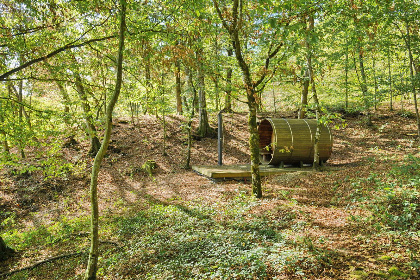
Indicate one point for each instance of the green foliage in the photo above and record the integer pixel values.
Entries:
(398, 208)
(56, 167)
(51, 164)
(149, 166)
(62, 231)
(395, 204)
(409, 170)
(174, 242)
(406, 114)
(352, 111)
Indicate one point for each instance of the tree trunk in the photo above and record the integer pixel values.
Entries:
(164, 134)
(11, 88)
(5, 144)
(249, 85)
(317, 163)
(254, 145)
(402, 91)
(307, 77)
(90, 126)
(390, 81)
(19, 95)
(346, 69)
(66, 101)
(189, 128)
(163, 102)
(191, 110)
(363, 86)
(204, 129)
(64, 94)
(189, 137)
(254, 141)
(363, 81)
(233, 25)
(375, 83)
(22, 111)
(92, 266)
(6, 149)
(309, 48)
(191, 88)
(274, 97)
(148, 78)
(178, 87)
(216, 78)
(412, 77)
(304, 96)
(228, 96)
(189, 143)
(216, 93)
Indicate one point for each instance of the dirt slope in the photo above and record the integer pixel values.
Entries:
(320, 198)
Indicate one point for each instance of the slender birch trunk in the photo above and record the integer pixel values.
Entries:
(92, 266)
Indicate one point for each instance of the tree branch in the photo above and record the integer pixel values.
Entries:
(216, 6)
(267, 64)
(42, 262)
(26, 105)
(51, 54)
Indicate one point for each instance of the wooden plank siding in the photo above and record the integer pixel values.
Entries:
(291, 141)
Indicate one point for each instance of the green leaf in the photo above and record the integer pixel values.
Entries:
(272, 22)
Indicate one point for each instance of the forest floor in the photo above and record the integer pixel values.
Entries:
(356, 219)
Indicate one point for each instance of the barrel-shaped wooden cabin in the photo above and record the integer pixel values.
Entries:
(291, 141)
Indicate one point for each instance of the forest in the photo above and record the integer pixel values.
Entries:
(107, 106)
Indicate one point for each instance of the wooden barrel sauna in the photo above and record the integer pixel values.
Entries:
(291, 141)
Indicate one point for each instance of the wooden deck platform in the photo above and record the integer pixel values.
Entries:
(243, 170)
